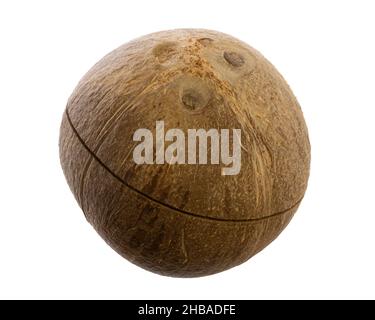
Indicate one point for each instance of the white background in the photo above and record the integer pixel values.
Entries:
(325, 50)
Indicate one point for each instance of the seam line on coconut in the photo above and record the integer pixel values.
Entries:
(102, 164)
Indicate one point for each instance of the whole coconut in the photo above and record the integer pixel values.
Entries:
(185, 220)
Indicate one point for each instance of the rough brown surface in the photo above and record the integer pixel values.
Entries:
(185, 220)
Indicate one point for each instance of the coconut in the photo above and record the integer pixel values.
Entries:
(173, 217)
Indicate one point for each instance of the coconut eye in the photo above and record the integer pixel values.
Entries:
(205, 41)
(165, 50)
(194, 93)
(194, 100)
(234, 58)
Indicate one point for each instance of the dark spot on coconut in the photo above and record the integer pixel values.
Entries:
(137, 238)
(185, 198)
(148, 215)
(151, 185)
(164, 51)
(205, 41)
(234, 59)
(156, 241)
(192, 100)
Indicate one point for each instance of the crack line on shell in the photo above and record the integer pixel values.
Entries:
(160, 202)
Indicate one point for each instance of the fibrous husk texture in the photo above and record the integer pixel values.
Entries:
(185, 220)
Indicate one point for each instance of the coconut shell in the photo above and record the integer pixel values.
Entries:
(185, 220)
